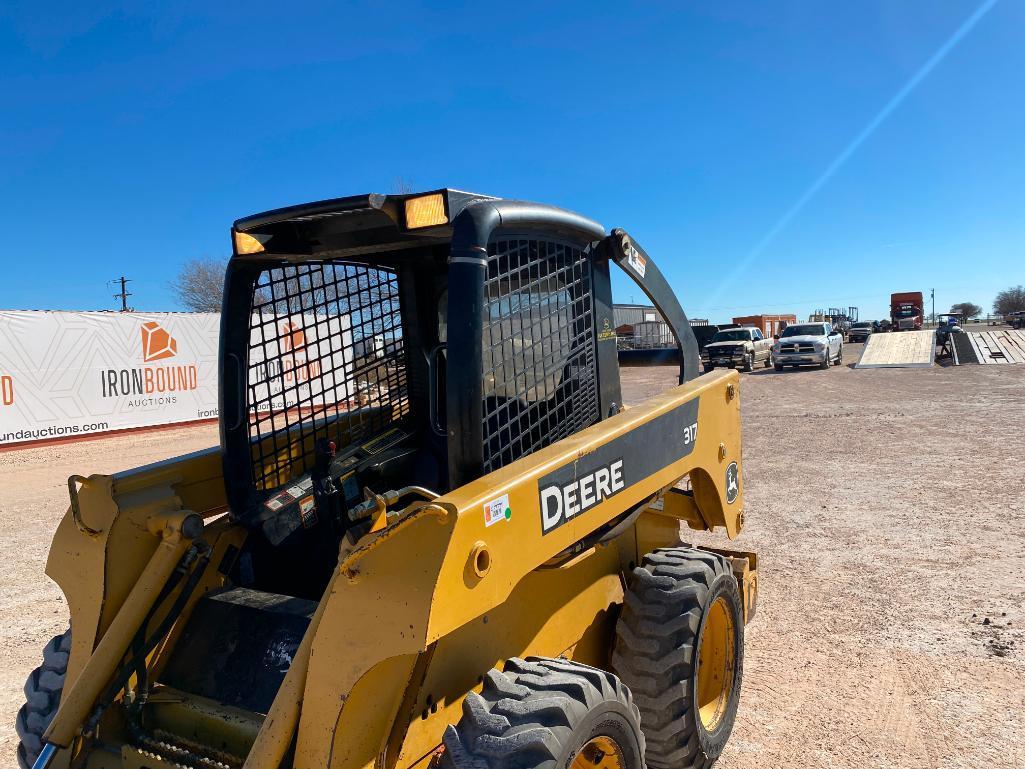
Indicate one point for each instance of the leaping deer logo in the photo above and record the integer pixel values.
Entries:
(732, 483)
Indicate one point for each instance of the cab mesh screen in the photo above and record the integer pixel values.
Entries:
(538, 348)
(326, 361)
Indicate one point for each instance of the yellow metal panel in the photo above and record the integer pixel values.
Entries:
(655, 531)
(422, 585)
(368, 712)
(97, 572)
(565, 611)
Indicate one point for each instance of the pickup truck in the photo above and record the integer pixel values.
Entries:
(860, 332)
(737, 347)
(805, 343)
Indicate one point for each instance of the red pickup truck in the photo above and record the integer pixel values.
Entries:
(906, 310)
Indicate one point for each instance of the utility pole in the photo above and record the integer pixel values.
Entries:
(932, 295)
(123, 296)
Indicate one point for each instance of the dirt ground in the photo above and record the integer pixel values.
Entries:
(887, 508)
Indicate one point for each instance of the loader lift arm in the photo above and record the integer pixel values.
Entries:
(463, 568)
(636, 263)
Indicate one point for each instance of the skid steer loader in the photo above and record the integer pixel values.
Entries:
(432, 535)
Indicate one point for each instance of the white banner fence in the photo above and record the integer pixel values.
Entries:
(65, 374)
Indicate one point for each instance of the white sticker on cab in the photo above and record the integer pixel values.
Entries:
(497, 510)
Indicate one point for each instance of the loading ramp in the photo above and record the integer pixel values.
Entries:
(899, 349)
(988, 347)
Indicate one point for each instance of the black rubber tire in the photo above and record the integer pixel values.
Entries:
(749, 362)
(839, 356)
(42, 696)
(827, 361)
(539, 713)
(657, 638)
(709, 369)
(767, 362)
(777, 366)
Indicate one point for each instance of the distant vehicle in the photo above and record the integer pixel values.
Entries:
(704, 335)
(805, 343)
(906, 310)
(945, 324)
(877, 326)
(1016, 320)
(860, 332)
(737, 347)
(633, 354)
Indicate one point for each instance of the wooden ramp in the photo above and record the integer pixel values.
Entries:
(899, 349)
(989, 347)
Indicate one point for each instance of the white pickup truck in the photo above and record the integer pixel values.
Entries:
(737, 347)
(805, 343)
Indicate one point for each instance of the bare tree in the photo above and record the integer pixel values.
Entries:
(402, 186)
(200, 284)
(1010, 300)
(966, 309)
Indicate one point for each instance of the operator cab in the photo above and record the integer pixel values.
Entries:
(379, 351)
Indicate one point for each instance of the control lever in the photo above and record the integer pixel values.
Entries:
(325, 493)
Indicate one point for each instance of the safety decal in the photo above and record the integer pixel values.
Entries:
(497, 510)
(635, 260)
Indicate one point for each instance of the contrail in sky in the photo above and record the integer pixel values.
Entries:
(853, 147)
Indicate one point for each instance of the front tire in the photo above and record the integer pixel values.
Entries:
(839, 356)
(680, 649)
(43, 691)
(547, 714)
(749, 362)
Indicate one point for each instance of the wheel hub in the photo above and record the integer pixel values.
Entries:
(602, 752)
(716, 663)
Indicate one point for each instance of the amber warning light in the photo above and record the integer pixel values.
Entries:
(247, 244)
(426, 211)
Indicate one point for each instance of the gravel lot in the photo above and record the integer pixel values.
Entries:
(886, 507)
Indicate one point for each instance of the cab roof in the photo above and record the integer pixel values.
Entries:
(371, 222)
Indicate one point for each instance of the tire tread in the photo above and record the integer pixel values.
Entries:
(524, 714)
(43, 689)
(655, 646)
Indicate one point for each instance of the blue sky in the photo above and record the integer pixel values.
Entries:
(772, 157)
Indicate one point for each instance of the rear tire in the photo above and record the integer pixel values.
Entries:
(680, 649)
(547, 714)
(42, 696)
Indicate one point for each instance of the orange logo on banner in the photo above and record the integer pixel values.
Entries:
(6, 390)
(157, 344)
(293, 336)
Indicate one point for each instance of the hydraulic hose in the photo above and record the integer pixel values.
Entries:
(138, 659)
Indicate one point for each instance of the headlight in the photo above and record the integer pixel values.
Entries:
(820, 346)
